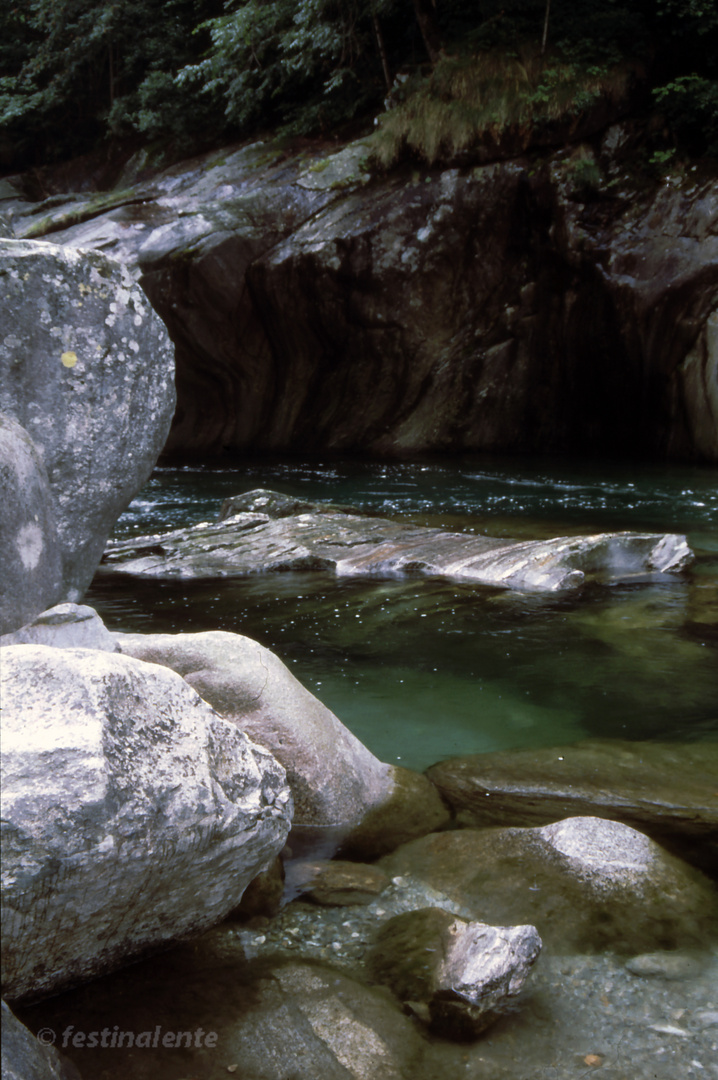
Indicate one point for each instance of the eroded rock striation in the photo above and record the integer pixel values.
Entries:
(493, 307)
(133, 814)
(87, 370)
(263, 531)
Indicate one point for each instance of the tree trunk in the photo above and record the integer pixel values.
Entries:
(382, 49)
(545, 27)
(429, 29)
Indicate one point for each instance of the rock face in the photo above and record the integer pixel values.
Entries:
(87, 369)
(585, 883)
(487, 308)
(341, 791)
(30, 558)
(465, 973)
(25, 1058)
(268, 532)
(665, 790)
(132, 814)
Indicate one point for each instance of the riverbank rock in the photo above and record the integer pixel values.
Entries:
(586, 884)
(25, 1058)
(667, 790)
(344, 797)
(65, 626)
(133, 814)
(485, 308)
(464, 973)
(268, 532)
(87, 369)
(30, 559)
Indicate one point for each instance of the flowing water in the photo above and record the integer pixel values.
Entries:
(421, 669)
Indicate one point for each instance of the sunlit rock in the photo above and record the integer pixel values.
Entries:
(133, 815)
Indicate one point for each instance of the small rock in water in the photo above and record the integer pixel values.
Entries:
(665, 965)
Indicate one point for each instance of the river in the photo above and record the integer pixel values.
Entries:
(422, 670)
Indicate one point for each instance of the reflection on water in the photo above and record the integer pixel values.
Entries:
(423, 670)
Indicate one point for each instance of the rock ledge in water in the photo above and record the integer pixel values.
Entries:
(270, 532)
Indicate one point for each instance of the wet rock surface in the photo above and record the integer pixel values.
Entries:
(463, 973)
(667, 790)
(133, 814)
(585, 883)
(87, 369)
(276, 534)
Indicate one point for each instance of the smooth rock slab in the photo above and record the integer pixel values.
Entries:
(466, 973)
(268, 532)
(668, 790)
(585, 883)
(343, 795)
(87, 369)
(133, 814)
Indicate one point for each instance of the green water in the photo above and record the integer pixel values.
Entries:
(421, 670)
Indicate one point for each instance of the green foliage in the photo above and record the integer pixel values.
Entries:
(690, 104)
(302, 64)
(73, 72)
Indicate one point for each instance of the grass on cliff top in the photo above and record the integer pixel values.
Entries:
(468, 99)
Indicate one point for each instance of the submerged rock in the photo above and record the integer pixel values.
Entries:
(336, 882)
(272, 534)
(585, 883)
(465, 973)
(87, 369)
(667, 790)
(343, 795)
(30, 556)
(133, 814)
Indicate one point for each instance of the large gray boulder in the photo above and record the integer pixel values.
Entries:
(30, 556)
(133, 815)
(343, 795)
(587, 884)
(87, 369)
